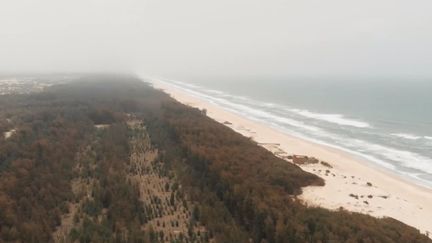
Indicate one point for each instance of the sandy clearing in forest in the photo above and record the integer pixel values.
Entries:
(9, 133)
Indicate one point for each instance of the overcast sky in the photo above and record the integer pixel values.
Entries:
(185, 38)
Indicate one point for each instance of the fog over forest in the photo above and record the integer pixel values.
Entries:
(181, 39)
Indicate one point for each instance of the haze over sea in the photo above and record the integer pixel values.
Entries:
(387, 122)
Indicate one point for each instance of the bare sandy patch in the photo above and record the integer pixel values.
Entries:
(9, 133)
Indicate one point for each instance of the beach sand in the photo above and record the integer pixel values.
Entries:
(352, 183)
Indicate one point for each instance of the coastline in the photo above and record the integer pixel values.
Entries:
(352, 183)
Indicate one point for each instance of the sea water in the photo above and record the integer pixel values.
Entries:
(388, 122)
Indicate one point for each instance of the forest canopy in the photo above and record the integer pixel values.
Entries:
(108, 158)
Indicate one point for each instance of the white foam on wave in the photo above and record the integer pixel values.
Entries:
(404, 158)
(216, 92)
(262, 116)
(251, 113)
(181, 83)
(406, 136)
(427, 137)
(332, 118)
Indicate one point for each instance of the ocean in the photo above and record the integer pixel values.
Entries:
(387, 122)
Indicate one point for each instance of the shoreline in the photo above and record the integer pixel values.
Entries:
(353, 183)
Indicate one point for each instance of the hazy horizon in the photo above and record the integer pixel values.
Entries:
(201, 39)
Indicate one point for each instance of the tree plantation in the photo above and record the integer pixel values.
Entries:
(107, 158)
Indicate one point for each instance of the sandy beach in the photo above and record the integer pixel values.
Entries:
(352, 183)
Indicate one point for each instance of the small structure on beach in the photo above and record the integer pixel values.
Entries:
(299, 159)
(303, 159)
